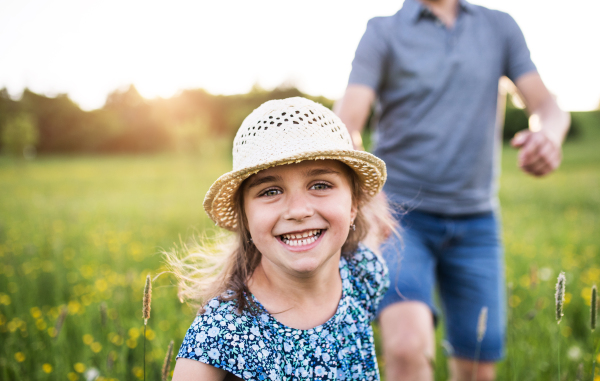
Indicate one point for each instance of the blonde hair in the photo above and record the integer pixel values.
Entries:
(222, 266)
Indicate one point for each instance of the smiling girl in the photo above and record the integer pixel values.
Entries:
(295, 291)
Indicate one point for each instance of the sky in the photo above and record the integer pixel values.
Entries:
(89, 48)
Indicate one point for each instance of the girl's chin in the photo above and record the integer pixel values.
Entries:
(308, 266)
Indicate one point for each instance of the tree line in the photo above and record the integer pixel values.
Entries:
(128, 123)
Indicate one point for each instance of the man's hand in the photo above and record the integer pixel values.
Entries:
(540, 147)
(538, 153)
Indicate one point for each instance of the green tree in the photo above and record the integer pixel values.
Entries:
(19, 135)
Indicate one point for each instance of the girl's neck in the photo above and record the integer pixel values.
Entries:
(300, 302)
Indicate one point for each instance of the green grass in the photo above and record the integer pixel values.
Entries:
(80, 234)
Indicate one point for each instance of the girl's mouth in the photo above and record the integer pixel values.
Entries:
(302, 238)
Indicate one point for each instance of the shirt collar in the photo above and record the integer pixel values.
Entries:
(416, 10)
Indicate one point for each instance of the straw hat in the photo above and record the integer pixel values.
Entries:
(282, 132)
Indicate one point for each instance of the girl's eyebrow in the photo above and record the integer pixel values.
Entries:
(320, 171)
(265, 179)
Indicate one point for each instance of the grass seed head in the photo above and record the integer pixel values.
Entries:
(103, 313)
(167, 364)
(147, 299)
(594, 308)
(60, 321)
(560, 296)
(482, 323)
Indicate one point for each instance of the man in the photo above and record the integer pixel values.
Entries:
(434, 68)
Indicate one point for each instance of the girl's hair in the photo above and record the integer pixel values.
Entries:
(221, 267)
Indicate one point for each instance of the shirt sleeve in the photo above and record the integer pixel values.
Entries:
(209, 340)
(372, 281)
(518, 58)
(368, 66)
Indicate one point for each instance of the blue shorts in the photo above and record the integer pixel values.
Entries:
(463, 256)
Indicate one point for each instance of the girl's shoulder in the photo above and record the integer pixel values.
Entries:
(220, 336)
(364, 278)
(363, 261)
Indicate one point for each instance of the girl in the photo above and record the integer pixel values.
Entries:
(296, 293)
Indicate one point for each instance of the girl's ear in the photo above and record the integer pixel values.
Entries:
(353, 211)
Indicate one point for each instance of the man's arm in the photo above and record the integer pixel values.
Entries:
(353, 109)
(540, 146)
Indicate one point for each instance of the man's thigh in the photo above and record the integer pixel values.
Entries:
(471, 277)
(411, 262)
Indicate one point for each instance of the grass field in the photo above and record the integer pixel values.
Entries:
(78, 235)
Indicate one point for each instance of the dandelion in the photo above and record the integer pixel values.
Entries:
(167, 364)
(20, 356)
(574, 353)
(91, 374)
(560, 296)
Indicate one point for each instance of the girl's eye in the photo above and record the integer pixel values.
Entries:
(320, 186)
(271, 192)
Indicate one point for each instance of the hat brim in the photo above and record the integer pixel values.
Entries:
(219, 201)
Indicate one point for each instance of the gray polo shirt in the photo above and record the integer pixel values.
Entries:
(438, 89)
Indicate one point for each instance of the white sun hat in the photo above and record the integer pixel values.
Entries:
(282, 132)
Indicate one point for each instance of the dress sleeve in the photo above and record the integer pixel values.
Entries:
(518, 59)
(368, 66)
(210, 339)
(371, 278)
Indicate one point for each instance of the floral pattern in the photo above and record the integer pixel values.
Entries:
(257, 347)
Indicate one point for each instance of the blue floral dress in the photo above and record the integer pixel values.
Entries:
(258, 347)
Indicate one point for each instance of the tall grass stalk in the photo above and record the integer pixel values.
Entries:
(146, 313)
(509, 334)
(560, 299)
(481, 328)
(167, 364)
(593, 316)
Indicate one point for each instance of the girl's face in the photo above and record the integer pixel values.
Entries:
(299, 215)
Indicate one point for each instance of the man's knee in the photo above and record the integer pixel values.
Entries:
(407, 348)
(408, 334)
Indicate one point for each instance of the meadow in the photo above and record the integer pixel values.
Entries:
(78, 235)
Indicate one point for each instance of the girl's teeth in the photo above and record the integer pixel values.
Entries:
(294, 239)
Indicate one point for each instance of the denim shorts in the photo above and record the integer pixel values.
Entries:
(463, 257)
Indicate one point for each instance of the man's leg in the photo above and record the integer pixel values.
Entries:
(408, 336)
(406, 312)
(461, 369)
(471, 277)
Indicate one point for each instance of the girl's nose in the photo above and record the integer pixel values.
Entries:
(298, 207)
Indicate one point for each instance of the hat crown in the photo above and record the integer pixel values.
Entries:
(287, 128)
